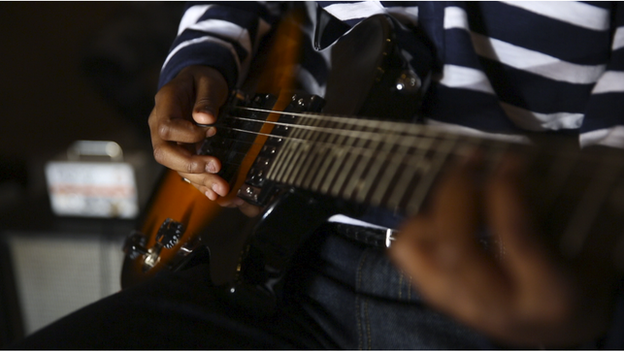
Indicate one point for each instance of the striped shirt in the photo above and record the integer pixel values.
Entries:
(500, 67)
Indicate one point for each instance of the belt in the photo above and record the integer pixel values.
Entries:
(371, 236)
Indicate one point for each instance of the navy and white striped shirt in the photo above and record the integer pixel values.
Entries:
(503, 67)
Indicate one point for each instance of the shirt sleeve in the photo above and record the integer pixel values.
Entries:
(223, 35)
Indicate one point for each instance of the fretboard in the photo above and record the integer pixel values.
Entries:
(379, 163)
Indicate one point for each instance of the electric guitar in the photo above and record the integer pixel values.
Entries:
(303, 158)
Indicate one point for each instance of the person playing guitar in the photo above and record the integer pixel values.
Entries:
(519, 72)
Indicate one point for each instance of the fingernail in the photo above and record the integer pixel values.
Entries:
(211, 131)
(203, 116)
(209, 194)
(211, 167)
(217, 188)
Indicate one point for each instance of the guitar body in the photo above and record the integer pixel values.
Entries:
(191, 212)
(365, 70)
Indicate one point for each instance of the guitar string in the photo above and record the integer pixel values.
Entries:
(378, 125)
(467, 144)
(418, 130)
(353, 151)
(468, 141)
(368, 135)
(412, 144)
(403, 127)
(400, 130)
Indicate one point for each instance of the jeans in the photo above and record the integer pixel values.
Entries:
(337, 294)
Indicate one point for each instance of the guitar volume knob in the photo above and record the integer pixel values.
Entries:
(169, 233)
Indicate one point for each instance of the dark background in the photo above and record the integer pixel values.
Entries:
(69, 71)
(75, 70)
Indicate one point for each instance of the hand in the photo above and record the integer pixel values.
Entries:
(525, 297)
(193, 97)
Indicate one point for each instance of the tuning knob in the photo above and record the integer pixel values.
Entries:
(169, 233)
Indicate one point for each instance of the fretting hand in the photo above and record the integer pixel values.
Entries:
(527, 297)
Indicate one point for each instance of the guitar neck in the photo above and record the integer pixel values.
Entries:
(394, 165)
(378, 163)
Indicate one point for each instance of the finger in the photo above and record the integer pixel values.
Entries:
(249, 210)
(170, 118)
(544, 287)
(548, 300)
(441, 252)
(180, 159)
(172, 101)
(211, 94)
(210, 184)
(246, 208)
(182, 131)
(510, 219)
(455, 215)
(215, 187)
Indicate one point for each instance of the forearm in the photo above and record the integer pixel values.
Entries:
(223, 36)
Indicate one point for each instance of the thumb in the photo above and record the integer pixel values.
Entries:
(211, 93)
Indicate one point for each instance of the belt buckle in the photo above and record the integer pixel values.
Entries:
(389, 237)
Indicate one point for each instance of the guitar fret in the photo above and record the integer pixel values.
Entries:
(309, 168)
(383, 187)
(279, 165)
(349, 164)
(345, 141)
(333, 154)
(387, 161)
(440, 157)
(275, 171)
(277, 168)
(313, 174)
(586, 211)
(299, 148)
(294, 146)
(420, 163)
(373, 166)
(354, 187)
(305, 146)
(315, 149)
